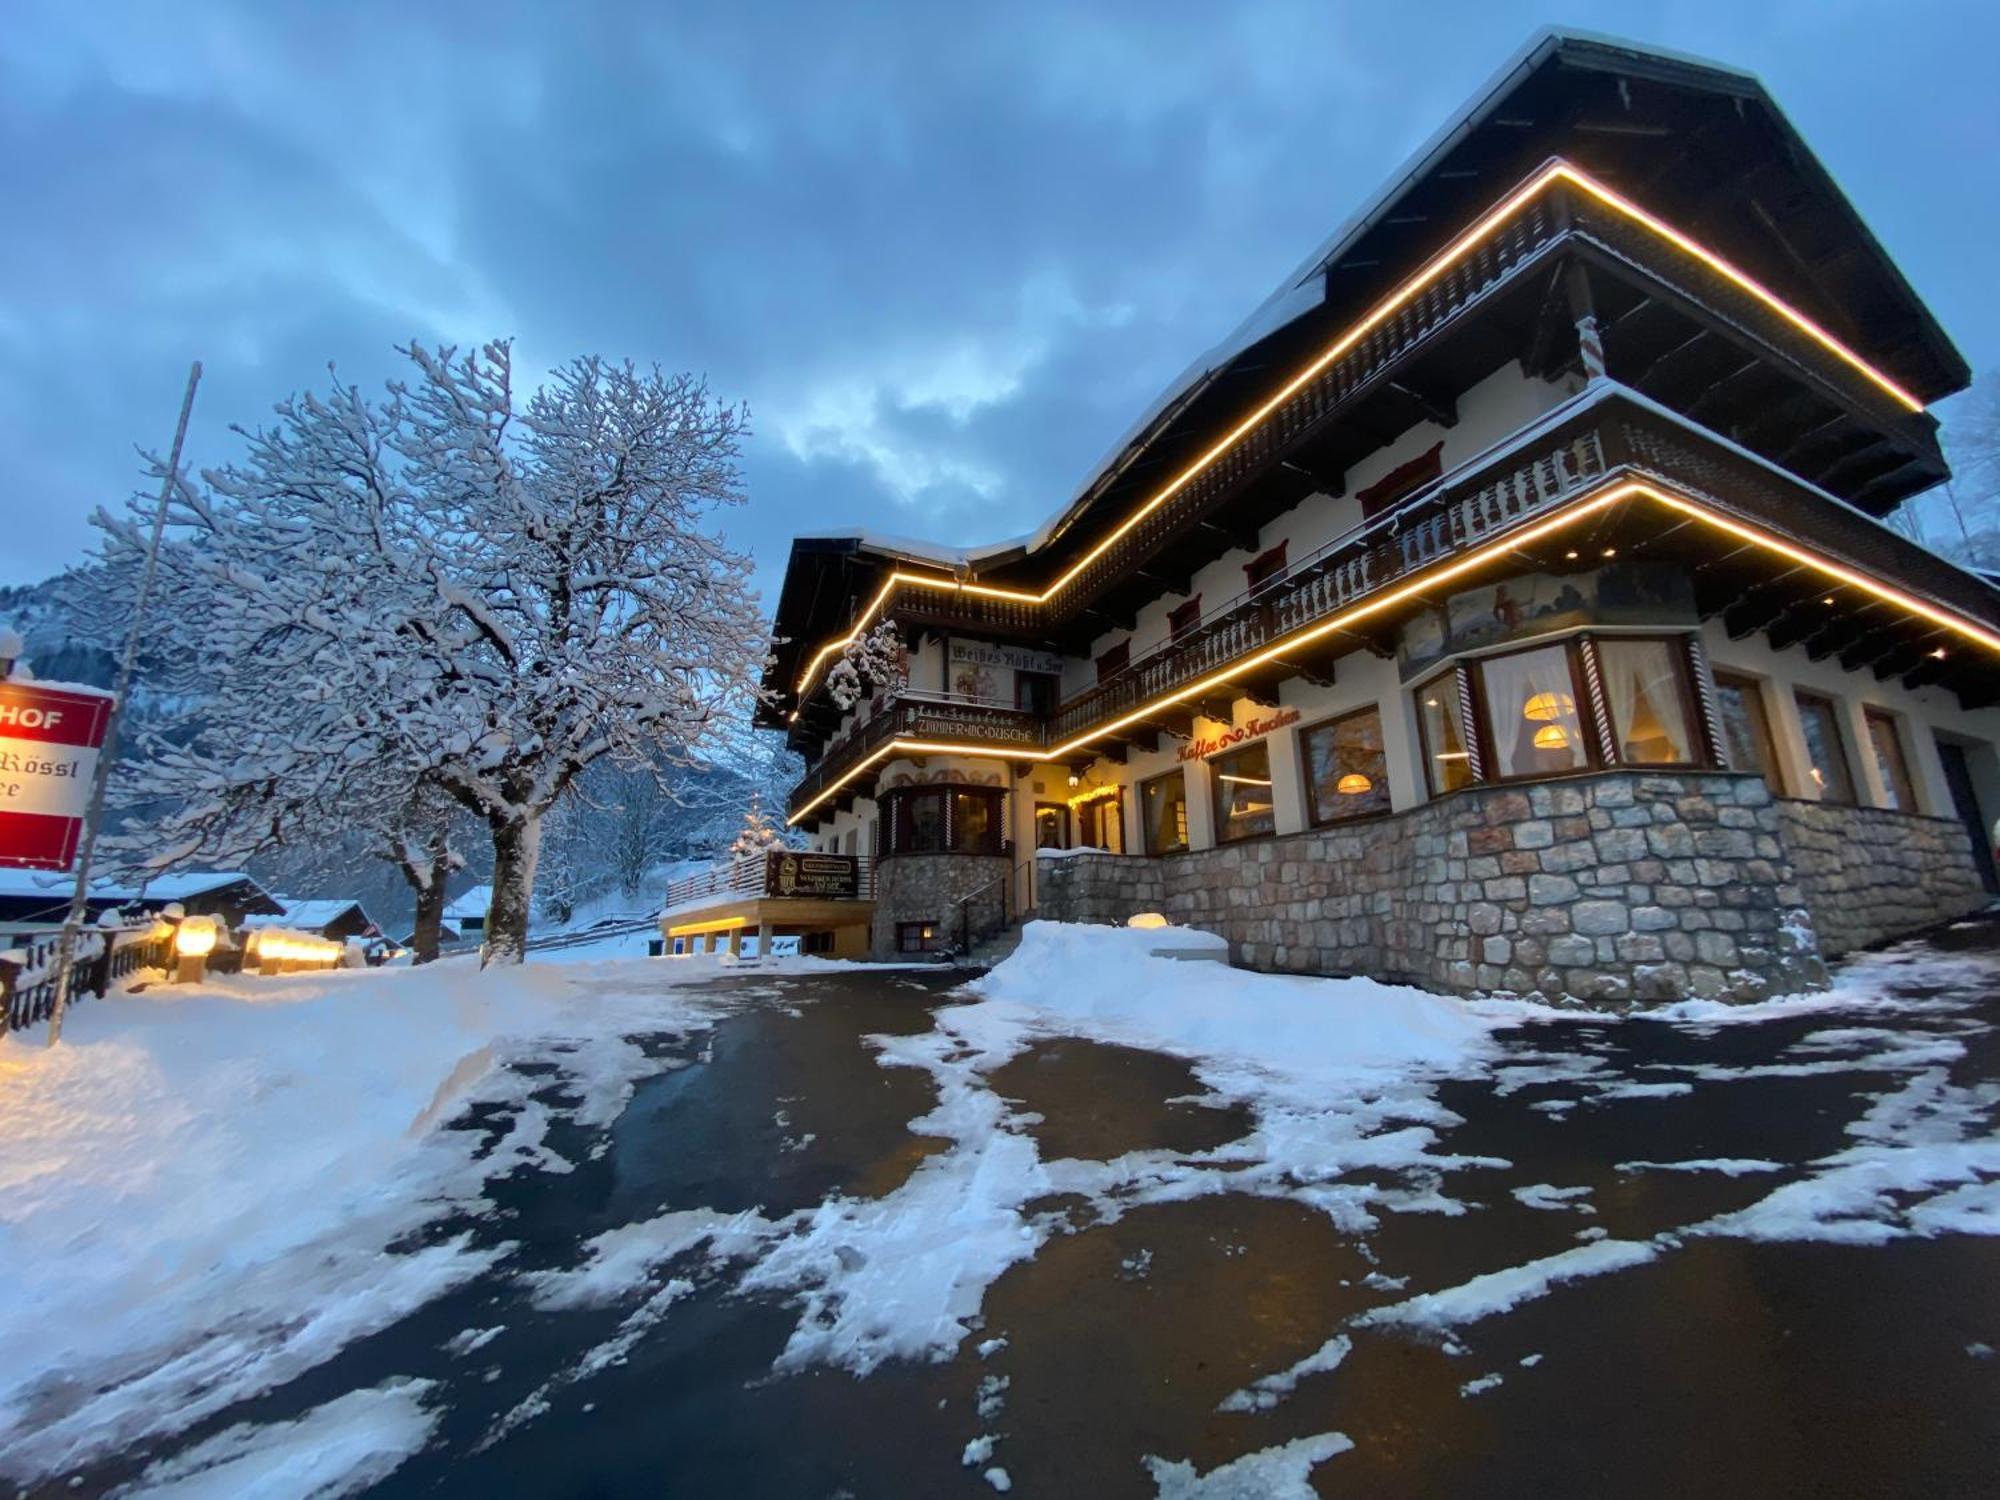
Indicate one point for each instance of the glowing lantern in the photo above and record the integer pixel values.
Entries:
(195, 937)
(1551, 737)
(1147, 921)
(1546, 706)
(1353, 784)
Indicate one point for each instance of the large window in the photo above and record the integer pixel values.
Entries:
(1532, 724)
(1101, 824)
(936, 820)
(1051, 825)
(1347, 775)
(1746, 728)
(1645, 681)
(1242, 781)
(1887, 743)
(1447, 763)
(1163, 806)
(1820, 721)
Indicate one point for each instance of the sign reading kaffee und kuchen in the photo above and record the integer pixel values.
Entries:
(1201, 749)
(49, 743)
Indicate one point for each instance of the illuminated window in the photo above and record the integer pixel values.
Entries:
(1819, 720)
(916, 937)
(1163, 805)
(1347, 775)
(1242, 781)
(1887, 743)
(1532, 724)
(1447, 765)
(1051, 826)
(1746, 728)
(1645, 683)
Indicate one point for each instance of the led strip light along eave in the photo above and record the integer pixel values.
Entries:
(1481, 230)
(1574, 511)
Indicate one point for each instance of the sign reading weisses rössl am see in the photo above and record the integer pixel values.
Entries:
(50, 738)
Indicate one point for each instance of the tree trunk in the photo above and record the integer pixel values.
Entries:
(428, 875)
(517, 842)
(430, 918)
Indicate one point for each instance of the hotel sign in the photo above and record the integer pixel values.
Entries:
(49, 743)
(1229, 739)
(1017, 658)
(792, 873)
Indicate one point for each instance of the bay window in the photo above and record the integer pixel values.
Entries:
(1536, 716)
(1645, 681)
(1532, 724)
(1440, 711)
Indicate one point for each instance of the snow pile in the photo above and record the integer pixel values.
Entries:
(1109, 983)
(337, 1449)
(201, 1183)
(1281, 1473)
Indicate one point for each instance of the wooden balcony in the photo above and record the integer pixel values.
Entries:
(1605, 437)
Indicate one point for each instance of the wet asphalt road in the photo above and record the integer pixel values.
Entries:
(1724, 1367)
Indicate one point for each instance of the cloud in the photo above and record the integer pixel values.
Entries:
(945, 254)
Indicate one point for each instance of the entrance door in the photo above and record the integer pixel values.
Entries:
(1958, 776)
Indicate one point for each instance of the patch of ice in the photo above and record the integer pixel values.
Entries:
(1727, 1166)
(1503, 1291)
(471, 1340)
(1542, 1195)
(998, 1479)
(978, 1451)
(622, 1260)
(1267, 1392)
(1482, 1385)
(1281, 1473)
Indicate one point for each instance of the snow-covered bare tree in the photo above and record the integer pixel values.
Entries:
(467, 593)
(874, 659)
(1970, 500)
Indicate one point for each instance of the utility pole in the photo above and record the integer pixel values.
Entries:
(94, 816)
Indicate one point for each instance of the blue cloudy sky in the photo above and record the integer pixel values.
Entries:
(945, 252)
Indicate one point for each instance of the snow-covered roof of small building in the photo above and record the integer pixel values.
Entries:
(310, 915)
(472, 903)
(177, 887)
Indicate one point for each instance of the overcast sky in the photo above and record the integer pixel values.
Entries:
(945, 252)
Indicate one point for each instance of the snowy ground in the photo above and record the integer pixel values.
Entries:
(1112, 1221)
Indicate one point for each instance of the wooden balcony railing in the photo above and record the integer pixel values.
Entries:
(920, 716)
(1448, 518)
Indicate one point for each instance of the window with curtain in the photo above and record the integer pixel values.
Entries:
(1645, 686)
(923, 823)
(1242, 782)
(1820, 722)
(1746, 728)
(1447, 767)
(1532, 724)
(1163, 807)
(1887, 743)
(975, 828)
(1347, 775)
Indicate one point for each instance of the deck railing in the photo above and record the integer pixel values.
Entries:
(745, 879)
(103, 956)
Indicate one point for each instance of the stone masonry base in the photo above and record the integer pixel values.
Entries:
(1613, 888)
(930, 888)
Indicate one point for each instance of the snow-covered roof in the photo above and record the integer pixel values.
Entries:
(179, 887)
(472, 903)
(935, 553)
(309, 915)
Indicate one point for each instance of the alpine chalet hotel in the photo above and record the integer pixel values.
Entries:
(1506, 605)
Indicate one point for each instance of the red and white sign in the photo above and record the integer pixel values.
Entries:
(50, 738)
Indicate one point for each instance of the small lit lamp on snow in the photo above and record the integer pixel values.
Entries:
(1147, 921)
(194, 940)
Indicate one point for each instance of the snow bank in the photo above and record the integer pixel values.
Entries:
(201, 1183)
(1281, 1473)
(337, 1449)
(1109, 982)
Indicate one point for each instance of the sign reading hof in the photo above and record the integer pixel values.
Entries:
(790, 872)
(49, 743)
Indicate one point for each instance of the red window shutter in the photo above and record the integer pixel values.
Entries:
(1265, 566)
(1184, 618)
(1114, 660)
(1401, 482)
